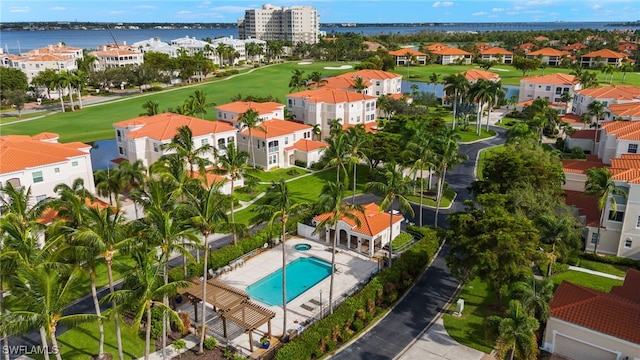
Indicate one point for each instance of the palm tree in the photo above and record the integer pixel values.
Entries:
(133, 176)
(434, 79)
(106, 233)
(143, 288)
(336, 153)
(207, 208)
(589, 79)
(55, 82)
(596, 109)
(359, 84)
(395, 188)
(624, 69)
(234, 164)
(65, 79)
(108, 183)
(331, 201)
(558, 230)
(542, 117)
(279, 205)
(420, 152)
(482, 94)
(447, 156)
(356, 139)
(608, 70)
(498, 93)
(43, 295)
(316, 131)
(599, 183)
(297, 80)
(409, 58)
(183, 146)
(535, 296)
(250, 120)
(151, 107)
(456, 85)
(71, 203)
(516, 333)
(200, 104)
(79, 81)
(316, 78)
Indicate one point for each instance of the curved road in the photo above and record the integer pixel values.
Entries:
(428, 298)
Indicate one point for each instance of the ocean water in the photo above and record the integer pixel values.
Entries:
(18, 41)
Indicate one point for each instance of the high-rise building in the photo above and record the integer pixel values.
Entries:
(295, 24)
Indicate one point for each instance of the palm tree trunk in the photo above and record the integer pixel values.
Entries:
(204, 295)
(4, 338)
(147, 335)
(80, 98)
(333, 266)
(421, 193)
(455, 105)
(70, 97)
(54, 344)
(595, 246)
(45, 345)
(233, 218)
(113, 305)
(353, 197)
(96, 304)
(439, 194)
(165, 301)
(595, 136)
(391, 233)
(479, 120)
(253, 154)
(284, 277)
(489, 114)
(61, 99)
(184, 262)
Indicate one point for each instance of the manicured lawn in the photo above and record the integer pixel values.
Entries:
(469, 329)
(280, 174)
(588, 280)
(469, 134)
(618, 270)
(431, 199)
(6, 118)
(508, 122)
(95, 123)
(483, 156)
(84, 288)
(81, 342)
(242, 195)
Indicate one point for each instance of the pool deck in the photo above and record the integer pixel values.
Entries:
(352, 268)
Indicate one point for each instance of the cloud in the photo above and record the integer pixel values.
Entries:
(442, 4)
(481, 13)
(554, 14)
(596, 7)
(539, 3)
(58, 8)
(23, 9)
(497, 9)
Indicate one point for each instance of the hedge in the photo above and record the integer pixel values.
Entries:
(403, 239)
(359, 310)
(615, 260)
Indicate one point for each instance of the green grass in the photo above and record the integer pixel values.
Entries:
(507, 122)
(469, 329)
(430, 200)
(242, 195)
(6, 118)
(84, 286)
(588, 280)
(469, 134)
(280, 174)
(81, 342)
(484, 154)
(95, 123)
(618, 270)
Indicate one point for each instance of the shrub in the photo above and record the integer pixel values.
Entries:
(210, 343)
(300, 163)
(402, 240)
(615, 260)
(578, 153)
(357, 325)
(558, 268)
(560, 144)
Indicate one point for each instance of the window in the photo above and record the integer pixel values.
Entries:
(119, 135)
(56, 170)
(638, 222)
(37, 177)
(120, 150)
(273, 158)
(221, 144)
(286, 140)
(633, 148)
(41, 198)
(628, 243)
(156, 148)
(594, 238)
(204, 142)
(74, 163)
(548, 88)
(617, 216)
(230, 140)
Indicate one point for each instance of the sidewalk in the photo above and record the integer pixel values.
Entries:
(598, 273)
(190, 340)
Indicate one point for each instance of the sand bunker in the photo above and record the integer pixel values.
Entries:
(305, 63)
(343, 67)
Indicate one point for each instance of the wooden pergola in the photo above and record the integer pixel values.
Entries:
(231, 304)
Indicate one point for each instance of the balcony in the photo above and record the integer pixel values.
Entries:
(273, 149)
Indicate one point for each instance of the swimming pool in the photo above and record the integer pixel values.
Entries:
(302, 275)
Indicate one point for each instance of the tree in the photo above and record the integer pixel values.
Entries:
(297, 80)
(234, 164)
(434, 79)
(421, 154)
(133, 176)
(336, 153)
(482, 94)
(558, 230)
(79, 81)
(589, 79)
(45, 78)
(541, 116)
(254, 49)
(65, 80)
(316, 79)
(600, 184)
(108, 183)
(409, 58)
(331, 202)
(608, 70)
(624, 69)
(535, 296)
(516, 333)
(356, 140)
(498, 93)
(279, 205)
(12, 79)
(359, 84)
(250, 120)
(447, 156)
(183, 146)
(200, 104)
(596, 110)
(456, 85)
(526, 65)
(16, 98)
(395, 188)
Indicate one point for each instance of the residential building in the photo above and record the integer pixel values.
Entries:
(497, 54)
(617, 138)
(607, 95)
(373, 46)
(406, 56)
(33, 65)
(41, 163)
(627, 111)
(473, 75)
(550, 87)
(574, 47)
(59, 49)
(526, 47)
(321, 106)
(451, 55)
(602, 57)
(295, 24)
(378, 82)
(266, 111)
(279, 143)
(548, 56)
(192, 45)
(156, 45)
(111, 56)
(143, 138)
(367, 238)
(588, 324)
(541, 38)
(627, 48)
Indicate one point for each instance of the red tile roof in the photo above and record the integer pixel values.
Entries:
(605, 54)
(626, 130)
(574, 47)
(50, 214)
(581, 166)
(372, 220)
(628, 47)
(475, 75)
(19, 152)
(46, 136)
(556, 78)
(240, 107)
(436, 46)
(370, 74)
(587, 206)
(495, 51)
(541, 38)
(631, 109)
(369, 127)
(571, 118)
(483, 47)
(449, 50)
(611, 313)
(404, 51)
(275, 128)
(307, 145)
(617, 92)
(165, 126)
(372, 46)
(548, 52)
(585, 134)
(331, 96)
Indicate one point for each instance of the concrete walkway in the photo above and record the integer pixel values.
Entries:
(598, 273)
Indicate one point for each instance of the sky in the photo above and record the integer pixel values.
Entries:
(331, 11)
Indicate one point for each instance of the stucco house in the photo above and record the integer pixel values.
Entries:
(607, 95)
(401, 57)
(473, 75)
(588, 324)
(111, 56)
(548, 56)
(378, 82)
(266, 111)
(602, 57)
(368, 238)
(451, 55)
(41, 163)
(626, 111)
(550, 87)
(497, 54)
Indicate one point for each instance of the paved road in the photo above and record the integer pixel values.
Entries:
(427, 299)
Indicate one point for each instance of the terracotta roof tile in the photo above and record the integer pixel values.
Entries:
(557, 78)
(275, 128)
(585, 134)
(628, 175)
(496, 51)
(629, 289)
(307, 145)
(369, 127)
(23, 152)
(449, 50)
(46, 136)
(571, 118)
(580, 166)
(548, 52)
(404, 51)
(165, 126)
(240, 107)
(586, 205)
(617, 92)
(574, 47)
(370, 74)
(436, 46)
(475, 75)
(605, 54)
(631, 109)
(372, 220)
(608, 313)
(331, 96)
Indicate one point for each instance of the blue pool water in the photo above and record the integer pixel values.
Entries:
(302, 275)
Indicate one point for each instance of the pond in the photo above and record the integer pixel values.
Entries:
(102, 152)
(512, 90)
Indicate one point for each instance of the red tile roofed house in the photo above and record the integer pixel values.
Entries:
(307, 152)
(41, 163)
(32, 65)
(372, 45)
(550, 87)
(607, 95)
(497, 54)
(59, 49)
(602, 57)
(474, 75)
(116, 56)
(379, 82)
(627, 111)
(574, 47)
(618, 137)
(320, 106)
(526, 47)
(589, 324)
(266, 111)
(549, 56)
(144, 137)
(400, 56)
(211, 179)
(627, 48)
(274, 144)
(371, 236)
(575, 170)
(482, 47)
(452, 55)
(541, 38)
